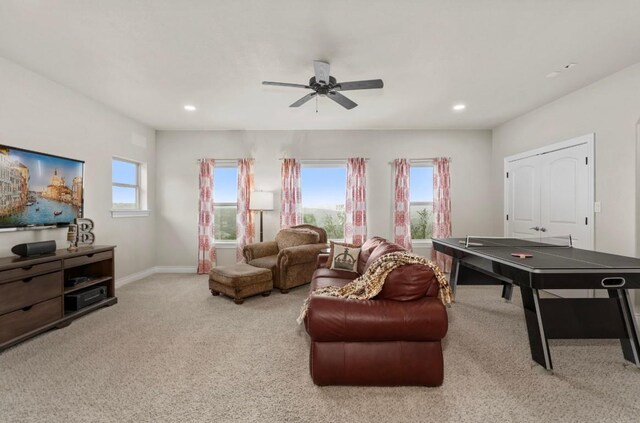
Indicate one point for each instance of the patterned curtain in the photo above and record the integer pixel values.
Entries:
(401, 213)
(355, 227)
(245, 230)
(206, 247)
(441, 209)
(291, 201)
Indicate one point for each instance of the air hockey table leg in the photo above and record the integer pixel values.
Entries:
(453, 276)
(630, 344)
(507, 291)
(535, 328)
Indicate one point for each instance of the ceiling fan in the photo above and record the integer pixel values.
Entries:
(325, 85)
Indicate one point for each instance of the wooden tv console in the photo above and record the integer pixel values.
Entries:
(32, 290)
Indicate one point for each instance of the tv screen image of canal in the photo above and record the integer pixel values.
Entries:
(42, 211)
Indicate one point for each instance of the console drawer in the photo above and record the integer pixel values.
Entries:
(34, 317)
(29, 270)
(29, 291)
(89, 258)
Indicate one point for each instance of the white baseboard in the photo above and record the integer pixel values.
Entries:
(152, 271)
(134, 277)
(174, 269)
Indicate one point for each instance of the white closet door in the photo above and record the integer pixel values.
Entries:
(523, 184)
(564, 197)
(551, 190)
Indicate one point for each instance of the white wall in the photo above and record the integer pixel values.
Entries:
(40, 115)
(610, 108)
(177, 175)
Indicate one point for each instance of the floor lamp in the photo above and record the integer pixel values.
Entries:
(261, 201)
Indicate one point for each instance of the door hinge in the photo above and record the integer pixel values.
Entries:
(586, 160)
(586, 220)
(507, 217)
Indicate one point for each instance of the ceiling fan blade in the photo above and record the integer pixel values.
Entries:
(341, 100)
(285, 84)
(322, 71)
(303, 100)
(360, 85)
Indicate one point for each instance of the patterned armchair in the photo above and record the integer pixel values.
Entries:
(291, 257)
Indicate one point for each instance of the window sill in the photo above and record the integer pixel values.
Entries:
(130, 213)
(225, 244)
(421, 242)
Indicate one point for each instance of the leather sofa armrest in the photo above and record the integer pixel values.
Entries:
(259, 250)
(322, 260)
(331, 319)
(307, 253)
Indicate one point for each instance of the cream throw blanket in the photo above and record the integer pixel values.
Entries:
(370, 284)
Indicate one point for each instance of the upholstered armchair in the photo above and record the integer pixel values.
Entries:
(291, 257)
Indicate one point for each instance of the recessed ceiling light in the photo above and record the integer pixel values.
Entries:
(190, 108)
(553, 74)
(459, 107)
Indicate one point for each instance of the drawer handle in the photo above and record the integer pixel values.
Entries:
(90, 255)
(27, 280)
(613, 282)
(26, 268)
(27, 308)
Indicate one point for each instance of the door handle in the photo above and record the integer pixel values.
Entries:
(543, 229)
(535, 228)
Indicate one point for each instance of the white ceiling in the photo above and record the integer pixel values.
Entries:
(148, 58)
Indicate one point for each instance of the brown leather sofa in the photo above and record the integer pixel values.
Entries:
(393, 339)
(291, 257)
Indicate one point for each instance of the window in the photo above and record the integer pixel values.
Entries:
(125, 179)
(128, 188)
(323, 196)
(225, 197)
(421, 199)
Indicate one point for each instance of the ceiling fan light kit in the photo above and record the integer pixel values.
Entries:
(323, 84)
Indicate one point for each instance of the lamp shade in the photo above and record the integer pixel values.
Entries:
(261, 200)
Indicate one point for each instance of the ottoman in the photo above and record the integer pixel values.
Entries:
(240, 281)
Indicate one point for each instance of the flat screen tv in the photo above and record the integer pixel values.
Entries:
(38, 189)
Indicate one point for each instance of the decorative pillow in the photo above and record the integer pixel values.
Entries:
(344, 257)
(331, 244)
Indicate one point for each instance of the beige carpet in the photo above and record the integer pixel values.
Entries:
(170, 352)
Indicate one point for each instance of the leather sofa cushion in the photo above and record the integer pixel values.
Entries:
(382, 249)
(320, 282)
(324, 272)
(331, 319)
(293, 237)
(408, 283)
(366, 250)
(377, 363)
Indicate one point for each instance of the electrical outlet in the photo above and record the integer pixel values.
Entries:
(596, 207)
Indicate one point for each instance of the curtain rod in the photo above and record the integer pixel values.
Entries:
(426, 159)
(318, 160)
(227, 160)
